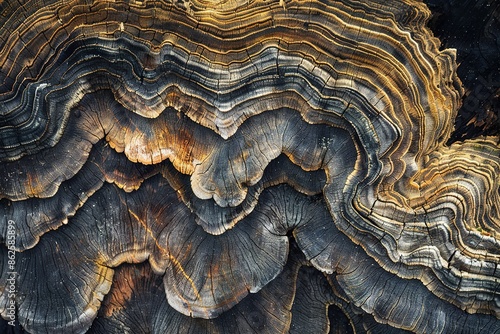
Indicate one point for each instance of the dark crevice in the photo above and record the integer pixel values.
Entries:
(473, 28)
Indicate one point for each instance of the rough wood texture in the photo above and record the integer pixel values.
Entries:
(242, 166)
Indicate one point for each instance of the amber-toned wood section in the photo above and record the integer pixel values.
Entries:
(241, 166)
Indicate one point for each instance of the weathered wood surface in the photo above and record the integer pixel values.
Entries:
(245, 166)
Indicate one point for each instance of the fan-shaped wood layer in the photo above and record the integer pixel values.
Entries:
(281, 166)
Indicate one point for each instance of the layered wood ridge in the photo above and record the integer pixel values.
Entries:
(281, 166)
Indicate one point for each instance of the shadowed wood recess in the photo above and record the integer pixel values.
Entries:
(240, 166)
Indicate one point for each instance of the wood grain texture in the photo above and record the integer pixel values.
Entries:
(242, 166)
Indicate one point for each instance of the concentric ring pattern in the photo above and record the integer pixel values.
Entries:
(253, 166)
